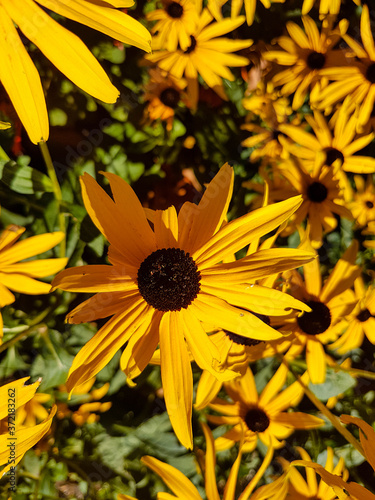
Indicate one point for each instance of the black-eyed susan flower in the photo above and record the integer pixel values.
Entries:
(330, 304)
(332, 143)
(164, 282)
(33, 411)
(260, 416)
(361, 321)
(164, 94)
(355, 77)
(19, 276)
(265, 141)
(322, 199)
(304, 489)
(305, 54)
(362, 205)
(183, 488)
(66, 51)
(23, 438)
(176, 21)
(266, 103)
(208, 55)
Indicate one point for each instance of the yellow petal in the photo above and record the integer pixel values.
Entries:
(113, 23)
(36, 268)
(210, 463)
(176, 377)
(316, 361)
(166, 228)
(64, 49)
(208, 388)
(24, 284)
(239, 232)
(18, 391)
(21, 81)
(173, 478)
(6, 297)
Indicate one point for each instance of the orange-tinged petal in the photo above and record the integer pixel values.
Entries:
(203, 221)
(176, 377)
(111, 221)
(94, 278)
(96, 353)
(173, 478)
(367, 436)
(21, 81)
(298, 420)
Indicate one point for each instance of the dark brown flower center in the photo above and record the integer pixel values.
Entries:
(369, 204)
(192, 45)
(257, 420)
(370, 73)
(317, 321)
(168, 279)
(317, 192)
(364, 315)
(333, 154)
(170, 97)
(315, 60)
(175, 10)
(241, 340)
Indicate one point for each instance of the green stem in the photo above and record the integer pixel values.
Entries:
(56, 189)
(332, 418)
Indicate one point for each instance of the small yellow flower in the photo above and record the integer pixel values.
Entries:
(262, 416)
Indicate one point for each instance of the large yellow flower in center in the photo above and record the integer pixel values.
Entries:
(64, 49)
(165, 281)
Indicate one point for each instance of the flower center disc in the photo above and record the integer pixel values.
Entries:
(369, 204)
(364, 315)
(175, 10)
(317, 192)
(170, 97)
(370, 73)
(168, 279)
(257, 420)
(192, 45)
(333, 154)
(316, 60)
(317, 321)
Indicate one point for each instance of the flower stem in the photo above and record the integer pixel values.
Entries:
(332, 418)
(56, 189)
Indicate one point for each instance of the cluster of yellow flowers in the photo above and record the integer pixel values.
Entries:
(173, 289)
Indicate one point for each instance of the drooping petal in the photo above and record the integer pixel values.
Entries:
(210, 462)
(21, 81)
(96, 353)
(316, 361)
(176, 377)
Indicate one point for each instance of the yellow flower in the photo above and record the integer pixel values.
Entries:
(164, 94)
(19, 276)
(250, 7)
(175, 23)
(267, 104)
(164, 282)
(262, 416)
(360, 322)
(355, 78)
(183, 489)
(4, 125)
(329, 303)
(33, 410)
(208, 55)
(363, 204)
(305, 54)
(301, 489)
(65, 50)
(266, 142)
(321, 199)
(23, 437)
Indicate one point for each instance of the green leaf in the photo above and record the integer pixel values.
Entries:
(23, 179)
(336, 383)
(53, 372)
